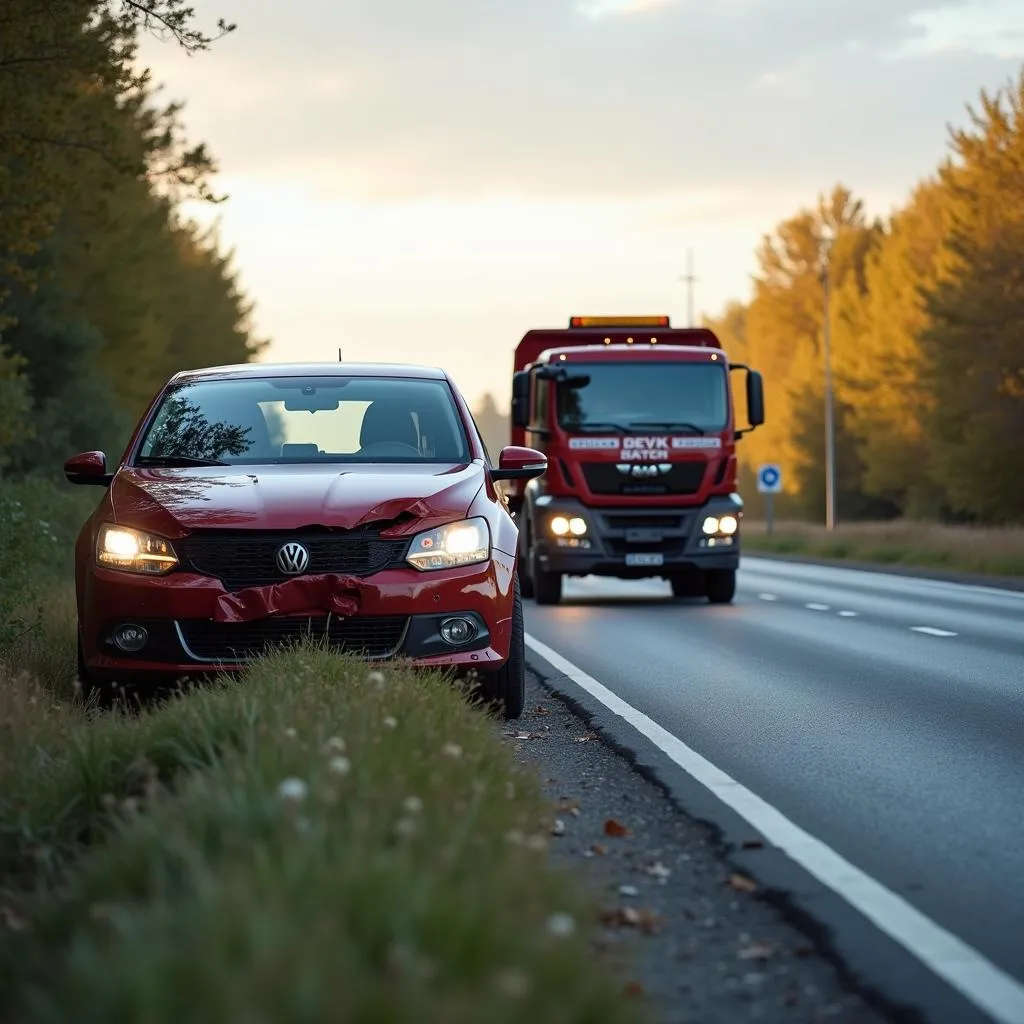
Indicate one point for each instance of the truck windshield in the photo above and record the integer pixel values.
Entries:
(687, 397)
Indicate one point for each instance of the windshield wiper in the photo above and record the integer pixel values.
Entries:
(669, 425)
(600, 428)
(176, 460)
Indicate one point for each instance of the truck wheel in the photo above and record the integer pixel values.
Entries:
(687, 585)
(507, 686)
(721, 585)
(547, 586)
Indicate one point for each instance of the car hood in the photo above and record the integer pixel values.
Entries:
(401, 499)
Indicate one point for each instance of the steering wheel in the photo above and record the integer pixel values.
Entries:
(389, 448)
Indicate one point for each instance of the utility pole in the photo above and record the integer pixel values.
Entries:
(690, 279)
(830, 426)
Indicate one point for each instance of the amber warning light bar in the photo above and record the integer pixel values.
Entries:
(619, 321)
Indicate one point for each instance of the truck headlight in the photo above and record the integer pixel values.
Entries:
(121, 547)
(463, 543)
(724, 526)
(562, 526)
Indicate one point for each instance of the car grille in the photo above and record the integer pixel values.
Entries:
(244, 560)
(682, 478)
(373, 637)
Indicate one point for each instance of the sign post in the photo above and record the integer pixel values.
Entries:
(769, 483)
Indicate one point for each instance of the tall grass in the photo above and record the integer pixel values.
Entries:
(986, 551)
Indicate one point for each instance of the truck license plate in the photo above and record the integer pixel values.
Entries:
(645, 558)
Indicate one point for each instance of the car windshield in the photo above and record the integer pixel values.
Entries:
(683, 397)
(246, 421)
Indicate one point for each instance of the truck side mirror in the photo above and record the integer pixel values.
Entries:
(521, 399)
(755, 398)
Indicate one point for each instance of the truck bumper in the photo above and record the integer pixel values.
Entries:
(634, 543)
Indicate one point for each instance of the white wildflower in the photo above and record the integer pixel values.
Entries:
(336, 744)
(293, 789)
(390, 722)
(561, 925)
(340, 765)
(451, 750)
(413, 804)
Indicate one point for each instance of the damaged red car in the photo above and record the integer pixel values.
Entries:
(260, 504)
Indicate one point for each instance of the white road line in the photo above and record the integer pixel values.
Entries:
(932, 631)
(817, 607)
(753, 563)
(988, 987)
(767, 597)
(849, 614)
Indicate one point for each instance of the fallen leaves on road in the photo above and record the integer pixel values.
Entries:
(615, 829)
(634, 990)
(585, 738)
(644, 920)
(757, 951)
(532, 735)
(541, 710)
(569, 806)
(558, 828)
(597, 850)
(741, 883)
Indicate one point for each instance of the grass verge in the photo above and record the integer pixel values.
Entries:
(313, 842)
(984, 551)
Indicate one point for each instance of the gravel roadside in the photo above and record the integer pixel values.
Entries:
(702, 945)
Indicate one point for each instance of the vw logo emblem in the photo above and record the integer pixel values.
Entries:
(292, 558)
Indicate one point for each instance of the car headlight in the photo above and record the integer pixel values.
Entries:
(121, 547)
(462, 543)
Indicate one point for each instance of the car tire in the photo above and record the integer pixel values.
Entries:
(721, 586)
(88, 685)
(507, 686)
(526, 579)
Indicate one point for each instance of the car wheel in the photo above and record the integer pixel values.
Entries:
(721, 586)
(507, 686)
(88, 685)
(526, 579)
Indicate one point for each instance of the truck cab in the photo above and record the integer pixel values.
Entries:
(637, 420)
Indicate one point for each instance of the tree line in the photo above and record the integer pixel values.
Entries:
(926, 315)
(105, 287)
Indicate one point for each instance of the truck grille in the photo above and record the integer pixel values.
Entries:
(682, 478)
(245, 560)
(373, 637)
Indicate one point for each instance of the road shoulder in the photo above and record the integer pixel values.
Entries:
(705, 942)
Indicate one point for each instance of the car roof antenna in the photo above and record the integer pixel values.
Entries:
(340, 360)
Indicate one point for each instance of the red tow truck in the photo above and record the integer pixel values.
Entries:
(637, 420)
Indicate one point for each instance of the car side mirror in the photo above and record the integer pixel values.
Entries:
(521, 399)
(88, 468)
(515, 463)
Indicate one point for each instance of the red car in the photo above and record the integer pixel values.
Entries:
(257, 504)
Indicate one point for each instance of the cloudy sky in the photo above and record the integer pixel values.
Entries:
(423, 180)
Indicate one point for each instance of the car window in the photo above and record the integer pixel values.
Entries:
(247, 421)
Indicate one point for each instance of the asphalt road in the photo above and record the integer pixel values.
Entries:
(883, 715)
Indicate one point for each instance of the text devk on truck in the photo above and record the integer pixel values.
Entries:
(638, 423)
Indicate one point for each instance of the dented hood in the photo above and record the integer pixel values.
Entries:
(402, 498)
